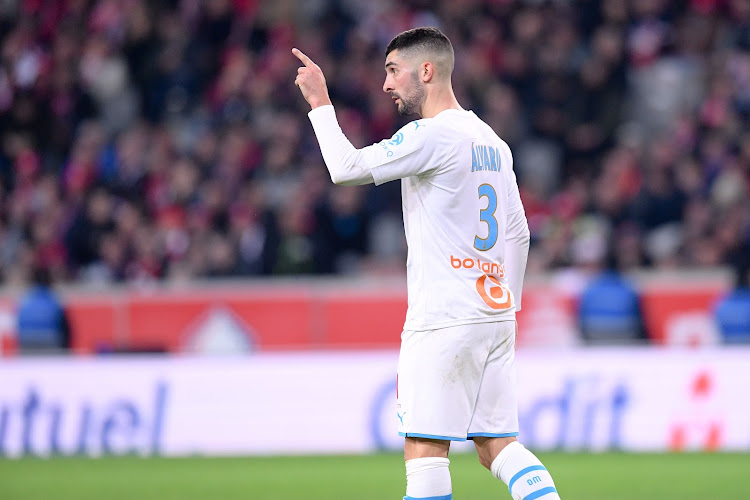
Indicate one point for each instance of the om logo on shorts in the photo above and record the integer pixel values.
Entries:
(495, 294)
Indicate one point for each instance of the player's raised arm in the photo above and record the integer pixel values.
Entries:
(311, 81)
(387, 160)
(338, 152)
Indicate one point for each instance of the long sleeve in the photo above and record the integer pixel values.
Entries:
(340, 156)
(406, 154)
(517, 239)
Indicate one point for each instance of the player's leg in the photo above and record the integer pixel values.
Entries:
(427, 473)
(494, 425)
(517, 467)
(438, 379)
(489, 448)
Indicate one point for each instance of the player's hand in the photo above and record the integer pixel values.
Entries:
(311, 81)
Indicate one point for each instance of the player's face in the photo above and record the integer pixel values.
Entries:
(403, 84)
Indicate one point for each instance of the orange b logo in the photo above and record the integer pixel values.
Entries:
(495, 294)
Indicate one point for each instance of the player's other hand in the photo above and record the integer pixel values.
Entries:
(311, 81)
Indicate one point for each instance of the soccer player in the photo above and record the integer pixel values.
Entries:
(468, 243)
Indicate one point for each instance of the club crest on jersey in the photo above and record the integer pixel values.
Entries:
(396, 139)
(484, 158)
(494, 293)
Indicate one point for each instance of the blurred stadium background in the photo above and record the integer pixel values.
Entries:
(161, 184)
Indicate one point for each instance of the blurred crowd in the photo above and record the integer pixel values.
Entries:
(165, 140)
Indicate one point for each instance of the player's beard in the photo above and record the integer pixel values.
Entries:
(412, 99)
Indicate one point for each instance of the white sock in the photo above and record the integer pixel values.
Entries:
(524, 474)
(428, 478)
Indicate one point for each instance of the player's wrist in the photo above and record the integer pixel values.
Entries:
(316, 103)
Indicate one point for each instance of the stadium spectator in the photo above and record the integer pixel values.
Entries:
(90, 225)
(42, 324)
(341, 232)
(636, 113)
(609, 309)
(732, 312)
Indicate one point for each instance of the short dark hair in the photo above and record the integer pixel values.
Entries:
(428, 38)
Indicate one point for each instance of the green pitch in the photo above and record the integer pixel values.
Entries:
(376, 477)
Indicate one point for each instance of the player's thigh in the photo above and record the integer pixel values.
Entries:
(496, 410)
(439, 375)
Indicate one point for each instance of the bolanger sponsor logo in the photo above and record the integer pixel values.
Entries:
(478, 264)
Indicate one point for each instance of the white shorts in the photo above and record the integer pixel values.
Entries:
(459, 382)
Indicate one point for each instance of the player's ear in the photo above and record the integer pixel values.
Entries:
(427, 71)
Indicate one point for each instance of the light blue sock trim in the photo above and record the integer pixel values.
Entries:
(449, 496)
(541, 493)
(521, 473)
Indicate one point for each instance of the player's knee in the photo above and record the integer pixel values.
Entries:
(485, 461)
(489, 448)
(484, 455)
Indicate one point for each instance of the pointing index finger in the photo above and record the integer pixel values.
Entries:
(302, 57)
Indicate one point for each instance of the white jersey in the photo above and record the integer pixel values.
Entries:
(465, 226)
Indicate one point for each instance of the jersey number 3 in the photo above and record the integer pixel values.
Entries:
(487, 215)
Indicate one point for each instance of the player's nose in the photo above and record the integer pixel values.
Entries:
(387, 87)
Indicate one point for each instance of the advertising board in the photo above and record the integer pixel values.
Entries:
(635, 399)
(320, 315)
